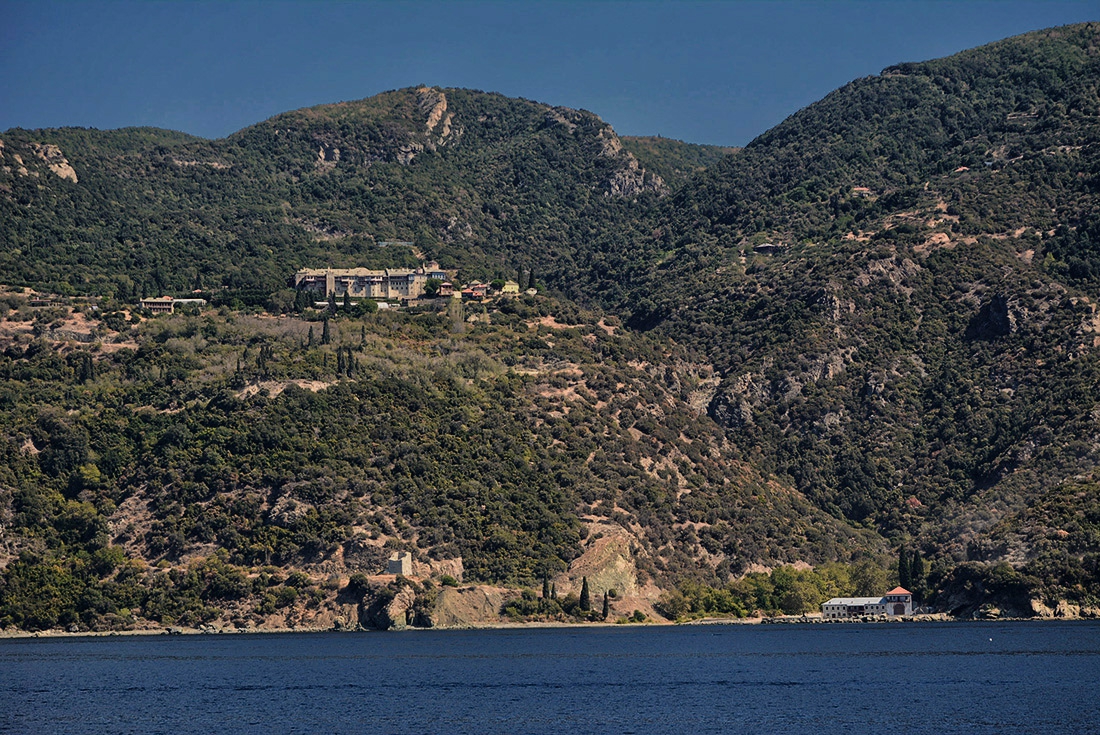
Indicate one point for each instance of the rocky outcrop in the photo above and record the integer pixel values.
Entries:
(608, 563)
(434, 102)
(629, 178)
(55, 160)
(632, 179)
(994, 320)
(563, 116)
(626, 177)
(732, 405)
(459, 607)
(439, 567)
(407, 152)
(1063, 610)
(984, 591)
(387, 608)
(406, 603)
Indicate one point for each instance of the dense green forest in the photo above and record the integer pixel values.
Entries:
(873, 329)
(479, 182)
(674, 160)
(896, 285)
(325, 445)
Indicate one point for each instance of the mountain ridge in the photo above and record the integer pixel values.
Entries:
(873, 328)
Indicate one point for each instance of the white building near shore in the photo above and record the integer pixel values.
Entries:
(898, 602)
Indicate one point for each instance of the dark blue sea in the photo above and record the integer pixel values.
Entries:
(903, 678)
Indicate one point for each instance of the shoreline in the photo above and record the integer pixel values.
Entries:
(781, 620)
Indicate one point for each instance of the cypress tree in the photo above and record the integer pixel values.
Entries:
(903, 568)
(87, 368)
(326, 337)
(312, 340)
(606, 606)
(545, 588)
(916, 570)
(347, 301)
(586, 598)
(302, 300)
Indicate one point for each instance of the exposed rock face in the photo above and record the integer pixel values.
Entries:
(731, 410)
(971, 591)
(459, 607)
(57, 162)
(993, 320)
(385, 610)
(563, 116)
(630, 178)
(627, 177)
(434, 102)
(437, 126)
(399, 610)
(1064, 610)
(407, 152)
(449, 567)
(607, 562)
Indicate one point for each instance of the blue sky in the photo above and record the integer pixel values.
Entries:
(705, 72)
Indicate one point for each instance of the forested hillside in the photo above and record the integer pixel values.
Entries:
(674, 160)
(324, 446)
(867, 343)
(477, 181)
(897, 286)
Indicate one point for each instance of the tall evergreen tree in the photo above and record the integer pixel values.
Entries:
(916, 572)
(586, 598)
(326, 336)
(302, 300)
(87, 368)
(545, 588)
(312, 339)
(903, 568)
(606, 606)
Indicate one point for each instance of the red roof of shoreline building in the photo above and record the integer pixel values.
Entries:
(899, 591)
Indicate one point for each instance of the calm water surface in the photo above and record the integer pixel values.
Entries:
(905, 678)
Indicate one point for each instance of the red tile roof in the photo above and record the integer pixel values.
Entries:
(899, 591)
